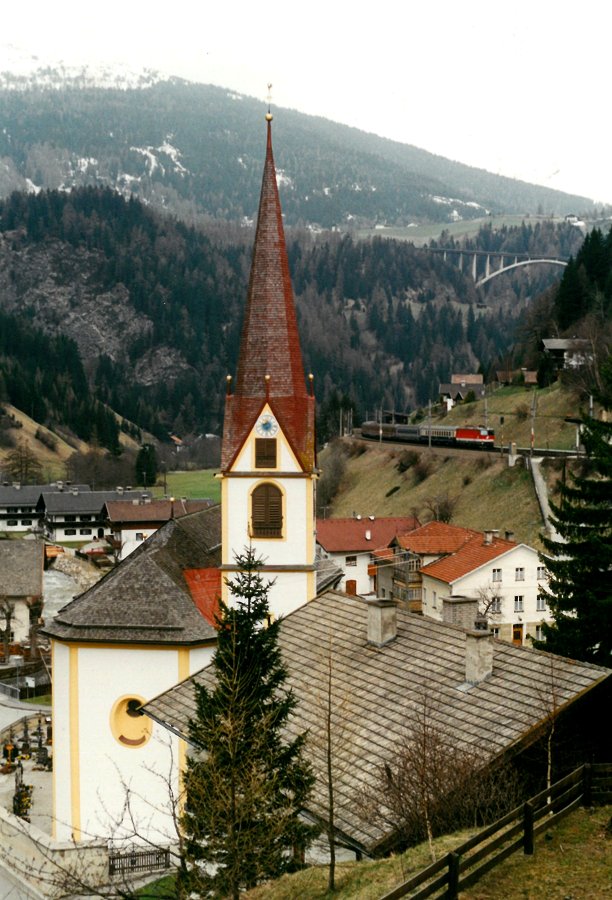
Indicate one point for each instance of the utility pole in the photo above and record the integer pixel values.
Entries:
(534, 402)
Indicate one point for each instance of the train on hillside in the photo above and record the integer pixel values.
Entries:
(469, 436)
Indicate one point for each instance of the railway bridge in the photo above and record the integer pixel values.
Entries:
(487, 264)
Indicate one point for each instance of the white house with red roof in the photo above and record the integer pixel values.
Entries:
(502, 576)
(451, 573)
(354, 543)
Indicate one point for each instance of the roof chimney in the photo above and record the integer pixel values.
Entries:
(510, 536)
(368, 535)
(488, 537)
(478, 653)
(382, 621)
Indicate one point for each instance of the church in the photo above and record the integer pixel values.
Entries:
(140, 638)
(149, 623)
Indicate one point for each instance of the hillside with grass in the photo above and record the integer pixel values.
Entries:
(477, 489)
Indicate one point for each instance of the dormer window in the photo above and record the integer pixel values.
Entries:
(265, 453)
(267, 511)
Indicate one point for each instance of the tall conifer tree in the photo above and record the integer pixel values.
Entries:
(246, 782)
(580, 562)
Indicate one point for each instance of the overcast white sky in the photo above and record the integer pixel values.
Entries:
(518, 88)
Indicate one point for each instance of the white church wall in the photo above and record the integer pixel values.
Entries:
(90, 691)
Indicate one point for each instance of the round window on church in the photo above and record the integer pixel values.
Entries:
(130, 727)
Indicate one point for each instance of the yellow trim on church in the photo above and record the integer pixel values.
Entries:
(75, 762)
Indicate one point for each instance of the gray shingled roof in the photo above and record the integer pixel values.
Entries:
(376, 689)
(74, 501)
(28, 494)
(21, 568)
(145, 599)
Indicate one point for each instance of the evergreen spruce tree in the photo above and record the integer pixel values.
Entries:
(246, 782)
(146, 465)
(580, 563)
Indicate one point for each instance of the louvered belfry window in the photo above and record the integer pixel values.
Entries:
(267, 511)
(265, 453)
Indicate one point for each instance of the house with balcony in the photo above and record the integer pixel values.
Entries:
(399, 566)
(351, 543)
(451, 573)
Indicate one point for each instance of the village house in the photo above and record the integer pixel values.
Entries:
(398, 567)
(504, 577)
(460, 386)
(351, 544)
(76, 515)
(18, 504)
(131, 522)
(568, 353)
(439, 566)
(21, 586)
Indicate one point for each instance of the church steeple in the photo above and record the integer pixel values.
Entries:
(270, 364)
(268, 469)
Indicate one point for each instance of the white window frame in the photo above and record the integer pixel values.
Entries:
(496, 576)
(519, 603)
(519, 573)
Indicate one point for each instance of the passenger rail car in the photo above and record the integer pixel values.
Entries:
(472, 436)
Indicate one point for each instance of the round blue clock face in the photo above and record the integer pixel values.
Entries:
(266, 426)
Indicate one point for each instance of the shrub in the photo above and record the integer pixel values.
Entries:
(46, 438)
(423, 468)
(521, 412)
(408, 458)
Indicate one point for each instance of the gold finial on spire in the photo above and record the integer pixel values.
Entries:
(269, 115)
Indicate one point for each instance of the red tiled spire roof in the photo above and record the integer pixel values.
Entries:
(270, 344)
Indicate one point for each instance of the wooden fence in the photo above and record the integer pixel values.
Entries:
(460, 869)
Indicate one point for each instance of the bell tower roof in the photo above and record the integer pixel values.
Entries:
(270, 367)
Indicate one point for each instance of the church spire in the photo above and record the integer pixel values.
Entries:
(270, 364)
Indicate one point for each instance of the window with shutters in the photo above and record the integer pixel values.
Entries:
(267, 511)
(265, 453)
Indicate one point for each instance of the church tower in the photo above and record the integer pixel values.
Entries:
(268, 465)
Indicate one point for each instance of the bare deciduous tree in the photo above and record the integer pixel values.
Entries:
(433, 785)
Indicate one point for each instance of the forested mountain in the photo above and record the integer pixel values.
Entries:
(155, 308)
(196, 151)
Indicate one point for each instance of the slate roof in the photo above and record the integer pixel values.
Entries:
(328, 573)
(270, 343)
(21, 568)
(74, 501)
(146, 598)
(350, 534)
(28, 494)
(124, 511)
(376, 689)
